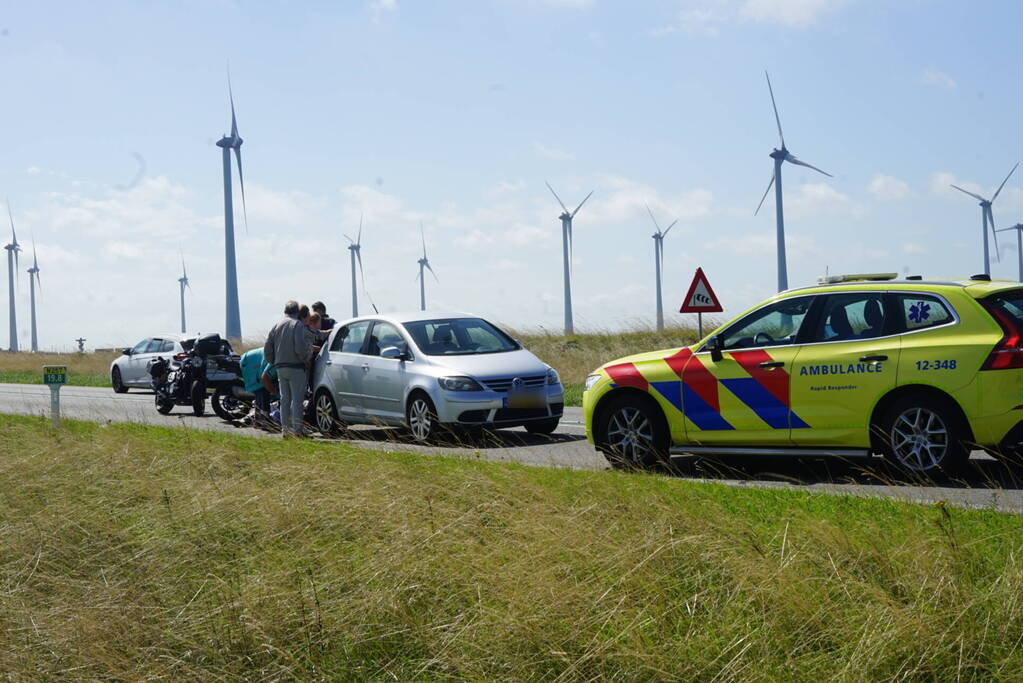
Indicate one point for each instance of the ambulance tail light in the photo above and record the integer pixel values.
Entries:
(1008, 352)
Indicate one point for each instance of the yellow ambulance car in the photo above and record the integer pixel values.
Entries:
(920, 371)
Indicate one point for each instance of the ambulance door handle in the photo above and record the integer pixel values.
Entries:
(769, 364)
(872, 359)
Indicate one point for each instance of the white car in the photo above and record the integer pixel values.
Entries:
(131, 368)
(430, 370)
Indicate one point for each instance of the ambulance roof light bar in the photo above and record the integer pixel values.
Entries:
(858, 277)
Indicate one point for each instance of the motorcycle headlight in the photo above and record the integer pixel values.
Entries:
(591, 380)
(459, 384)
(553, 379)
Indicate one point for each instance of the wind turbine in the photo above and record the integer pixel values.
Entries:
(780, 156)
(355, 247)
(12, 248)
(182, 284)
(1019, 245)
(233, 324)
(986, 218)
(566, 242)
(424, 265)
(659, 262)
(33, 280)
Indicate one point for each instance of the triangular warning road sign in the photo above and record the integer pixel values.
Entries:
(700, 298)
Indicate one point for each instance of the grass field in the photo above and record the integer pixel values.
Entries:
(573, 357)
(136, 552)
(84, 369)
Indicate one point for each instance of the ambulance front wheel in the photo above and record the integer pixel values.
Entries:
(632, 433)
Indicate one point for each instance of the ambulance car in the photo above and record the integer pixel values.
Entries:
(920, 371)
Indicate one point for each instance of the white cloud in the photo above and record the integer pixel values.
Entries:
(552, 152)
(622, 199)
(888, 188)
(378, 7)
(708, 16)
(938, 78)
(819, 199)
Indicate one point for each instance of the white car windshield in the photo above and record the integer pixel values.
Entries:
(459, 337)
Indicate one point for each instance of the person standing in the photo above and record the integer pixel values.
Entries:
(326, 322)
(287, 348)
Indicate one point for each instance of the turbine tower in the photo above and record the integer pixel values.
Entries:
(33, 281)
(12, 248)
(566, 243)
(659, 263)
(424, 265)
(355, 247)
(988, 218)
(1019, 246)
(780, 156)
(182, 284)
(233, 324)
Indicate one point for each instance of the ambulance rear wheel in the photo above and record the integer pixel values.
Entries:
(632, 433)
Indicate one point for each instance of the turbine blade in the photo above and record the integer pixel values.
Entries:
(39, 283)
(777, 119)
(664, 234)
(430, 268)
(652, 216)
(14, 233)
(422, 234)
(994, 233)
(230, 94)
(362, 273)
(765, 194)
(565, 208)
(581, 204)
(241, 182)
(35, 261)
(1003, 182)
(793, 160)
(359, 240)
(975, 196)
(345, 235)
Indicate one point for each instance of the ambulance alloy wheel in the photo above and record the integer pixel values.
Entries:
(632, 433)
(923, 434)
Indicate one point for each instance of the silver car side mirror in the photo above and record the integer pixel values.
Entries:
(392, 352)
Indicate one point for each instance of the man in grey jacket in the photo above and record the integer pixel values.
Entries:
(287, 348)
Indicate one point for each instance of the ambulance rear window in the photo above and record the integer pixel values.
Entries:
(920, 311)
(1010, 303)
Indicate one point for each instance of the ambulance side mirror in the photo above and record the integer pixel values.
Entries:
(714, 346)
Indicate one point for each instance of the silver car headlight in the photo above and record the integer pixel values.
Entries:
(459, 384)
(591, 380)
(553, 379)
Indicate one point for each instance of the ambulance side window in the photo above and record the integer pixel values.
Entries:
(776, 324)
(847, 317)
(919, 311)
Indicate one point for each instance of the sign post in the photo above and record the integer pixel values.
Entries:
(700, 299)
(55, 376)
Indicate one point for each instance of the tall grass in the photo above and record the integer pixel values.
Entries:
(135, 552)
(84, 369)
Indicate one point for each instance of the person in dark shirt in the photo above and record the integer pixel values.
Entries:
(326, 322)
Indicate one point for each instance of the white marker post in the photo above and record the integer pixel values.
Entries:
(54, 376)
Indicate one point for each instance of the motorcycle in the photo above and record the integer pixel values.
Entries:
(183, 383)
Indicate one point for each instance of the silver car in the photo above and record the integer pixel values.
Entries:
(429, 371)
(131, 368)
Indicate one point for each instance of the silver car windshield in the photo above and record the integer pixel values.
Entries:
(459, 337)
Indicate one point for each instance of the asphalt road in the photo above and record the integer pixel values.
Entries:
(987, 483)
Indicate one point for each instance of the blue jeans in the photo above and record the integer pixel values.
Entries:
(262, 402)
(293, 383)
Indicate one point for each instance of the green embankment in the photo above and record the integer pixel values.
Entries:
(137, 552)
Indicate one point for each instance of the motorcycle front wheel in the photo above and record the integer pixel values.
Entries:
(227, 406)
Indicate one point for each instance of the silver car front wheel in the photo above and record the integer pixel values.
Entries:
(925, 435)
(421, 418)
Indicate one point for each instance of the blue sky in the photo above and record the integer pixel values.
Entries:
(454, 113)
